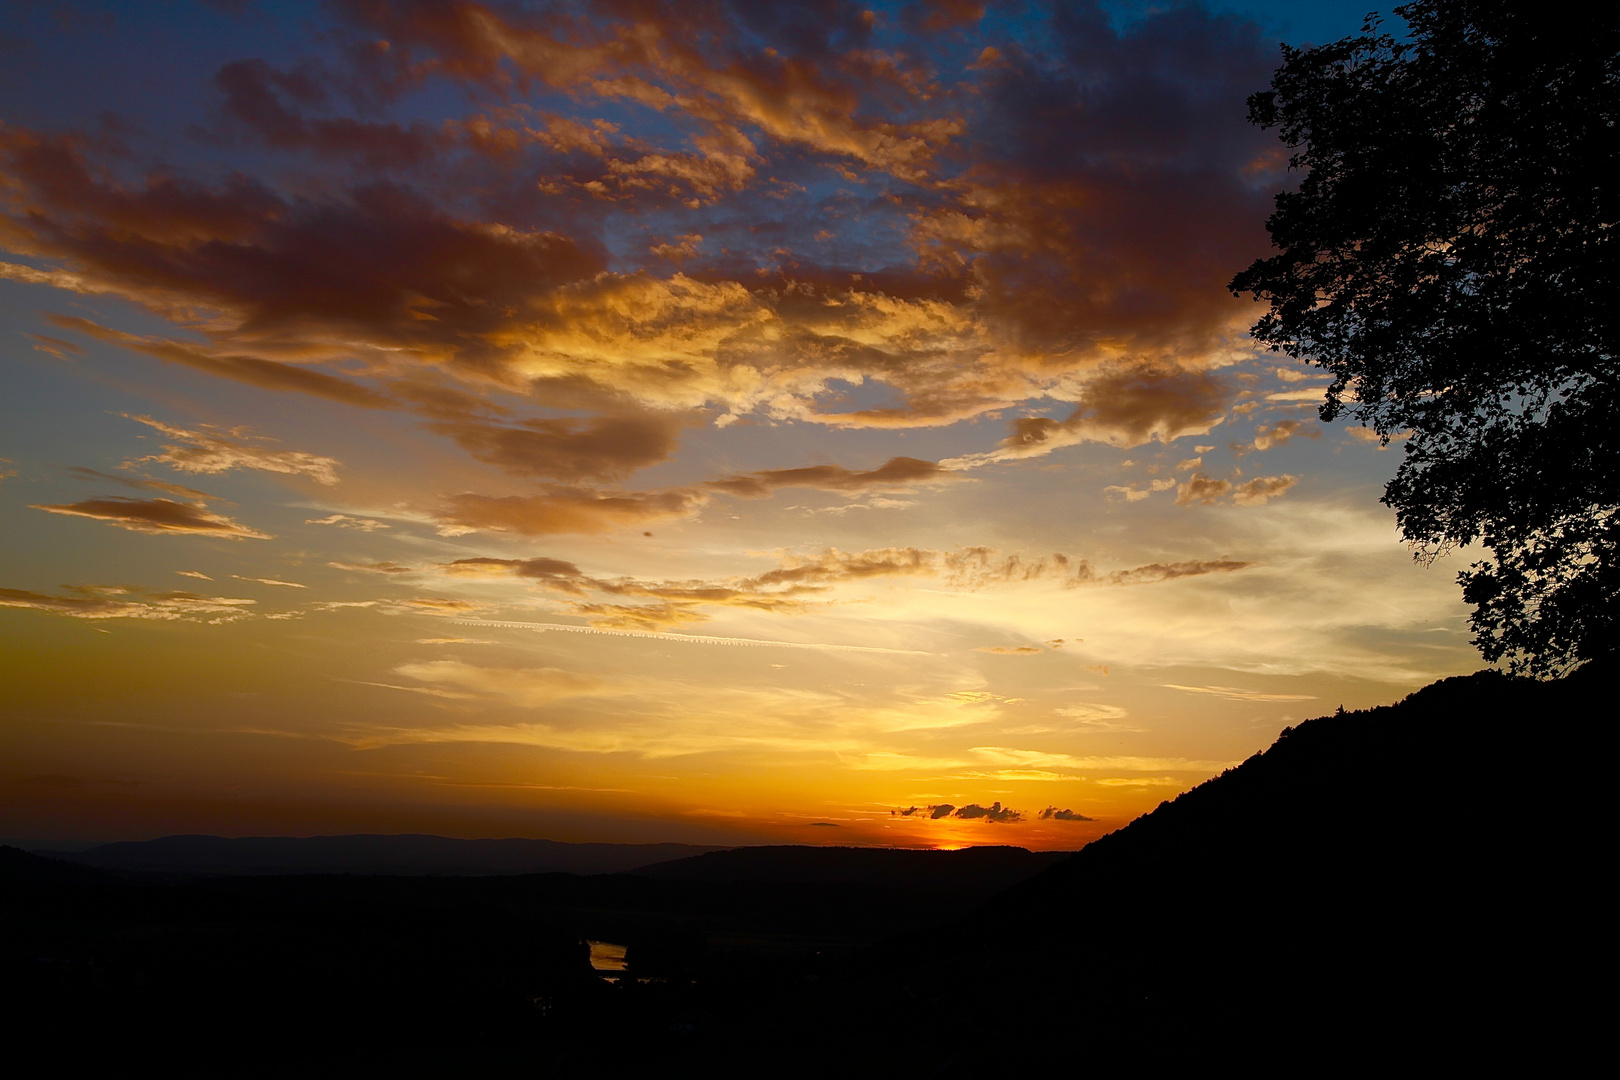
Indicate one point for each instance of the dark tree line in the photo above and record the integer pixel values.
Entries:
(1449, 256)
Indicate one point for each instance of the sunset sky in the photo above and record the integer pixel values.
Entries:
(730, 423)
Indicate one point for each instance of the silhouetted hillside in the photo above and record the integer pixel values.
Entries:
(1408, 888)
(370, 854)
(976, 870)
(19, 867)
(1417, 880)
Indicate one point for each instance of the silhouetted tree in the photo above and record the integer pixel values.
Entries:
(1449, 255)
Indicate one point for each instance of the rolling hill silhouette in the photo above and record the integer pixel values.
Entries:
(371, 854)
(1413, 886)
(1402, 883)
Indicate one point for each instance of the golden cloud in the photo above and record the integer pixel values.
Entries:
(1255, 492)
(1200, 488)
(212, 450)
(118, 602)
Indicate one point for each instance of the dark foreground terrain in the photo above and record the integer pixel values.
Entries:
(204, 856)
(1413, 885)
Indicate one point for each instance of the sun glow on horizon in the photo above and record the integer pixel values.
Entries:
(629, 426)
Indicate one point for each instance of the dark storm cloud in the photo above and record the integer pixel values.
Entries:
(994, 813)
(1052, 813)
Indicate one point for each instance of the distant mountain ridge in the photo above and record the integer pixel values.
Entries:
(365, 853)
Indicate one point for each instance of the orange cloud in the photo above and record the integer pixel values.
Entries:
(1277, 434)
(601, 448)
(563, 510)
(345, 521)
(163, 516)
(1123, 405)
(897, 472)
(1199, 488)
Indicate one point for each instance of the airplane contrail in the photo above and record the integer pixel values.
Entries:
(690, 639)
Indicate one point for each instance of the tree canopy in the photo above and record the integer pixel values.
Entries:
(1449, 256)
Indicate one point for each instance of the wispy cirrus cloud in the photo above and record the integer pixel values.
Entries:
(347, 521)
(802, 579)
(270, 581)
(524, 687)
(121, 602)
(213, 450)
(164, 517)
(1234, 693)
